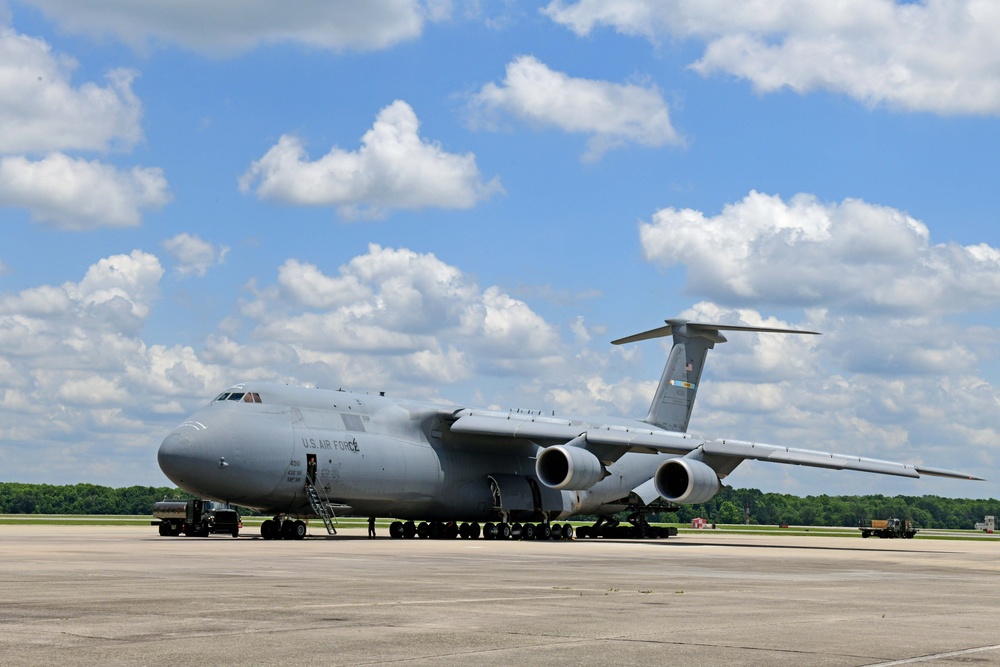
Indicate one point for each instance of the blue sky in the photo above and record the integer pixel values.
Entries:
(465, 202)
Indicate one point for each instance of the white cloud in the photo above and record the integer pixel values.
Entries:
(76, 375)
(611, 114)
(394, 168)
(226, 27)
(395, 312)
(77, 194)
(307, 286)
(41, 111)
(854, 256)
(194, 255)
(939, 55)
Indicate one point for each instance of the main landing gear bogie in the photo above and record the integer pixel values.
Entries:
(639, 532)
(283, 529)
(471, 531)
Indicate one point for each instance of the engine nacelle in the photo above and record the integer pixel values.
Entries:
(568, 467)
(686, 481)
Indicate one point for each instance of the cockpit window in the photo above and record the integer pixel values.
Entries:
(246, 397)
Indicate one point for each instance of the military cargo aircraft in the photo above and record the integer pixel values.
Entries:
(441, 471)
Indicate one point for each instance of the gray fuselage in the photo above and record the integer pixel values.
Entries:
(374, 456)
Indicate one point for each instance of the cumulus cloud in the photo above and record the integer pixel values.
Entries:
(853, 256)
(397, 300)
(73, 361)
(194, 255)
(41, 111)
(610, 114)
(229, 27)
(938, 55)
(77, 194)
(387, 319)
(125, 284)
(394, 168)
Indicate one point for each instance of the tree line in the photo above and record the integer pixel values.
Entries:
(731, 506)
(18, 498)
(755, 507)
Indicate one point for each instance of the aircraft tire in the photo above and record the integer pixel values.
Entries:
(516, 531)
(503, 531)
(423, 530)
(528, 531)
(396, 530)
(489, 532)
(450, 531)
(474, 531)
(557, 531)
(299, 530)
(583, 532)
(567, 531)
(409, 530)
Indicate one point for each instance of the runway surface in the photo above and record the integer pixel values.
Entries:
(111, 595)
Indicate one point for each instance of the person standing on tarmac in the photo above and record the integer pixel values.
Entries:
(371, 528)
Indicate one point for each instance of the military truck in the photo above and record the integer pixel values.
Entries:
(195, 518)
(886, 528)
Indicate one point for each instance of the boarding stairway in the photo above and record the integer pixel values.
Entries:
(321, 506)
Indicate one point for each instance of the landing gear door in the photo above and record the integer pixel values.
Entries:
(512, 493)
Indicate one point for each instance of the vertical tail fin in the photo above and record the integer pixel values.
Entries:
(678, 388)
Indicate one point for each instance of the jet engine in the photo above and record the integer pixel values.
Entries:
(686, 481)
(568, 467)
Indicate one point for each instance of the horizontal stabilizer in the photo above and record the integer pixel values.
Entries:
(695, 328)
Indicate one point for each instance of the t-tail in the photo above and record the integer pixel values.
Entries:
(674, 397)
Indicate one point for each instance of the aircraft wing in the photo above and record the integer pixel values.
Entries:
(610, 442)
(807, 457)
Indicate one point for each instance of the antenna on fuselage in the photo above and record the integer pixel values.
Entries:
(678, 388)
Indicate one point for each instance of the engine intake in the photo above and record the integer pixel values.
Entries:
(686, 481)
(568, 467)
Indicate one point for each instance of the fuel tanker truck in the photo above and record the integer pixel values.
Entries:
(195, 518)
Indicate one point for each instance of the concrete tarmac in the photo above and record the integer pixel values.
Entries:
(110, 595)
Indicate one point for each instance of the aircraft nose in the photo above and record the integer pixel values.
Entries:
(197, 459)
(177, 457)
